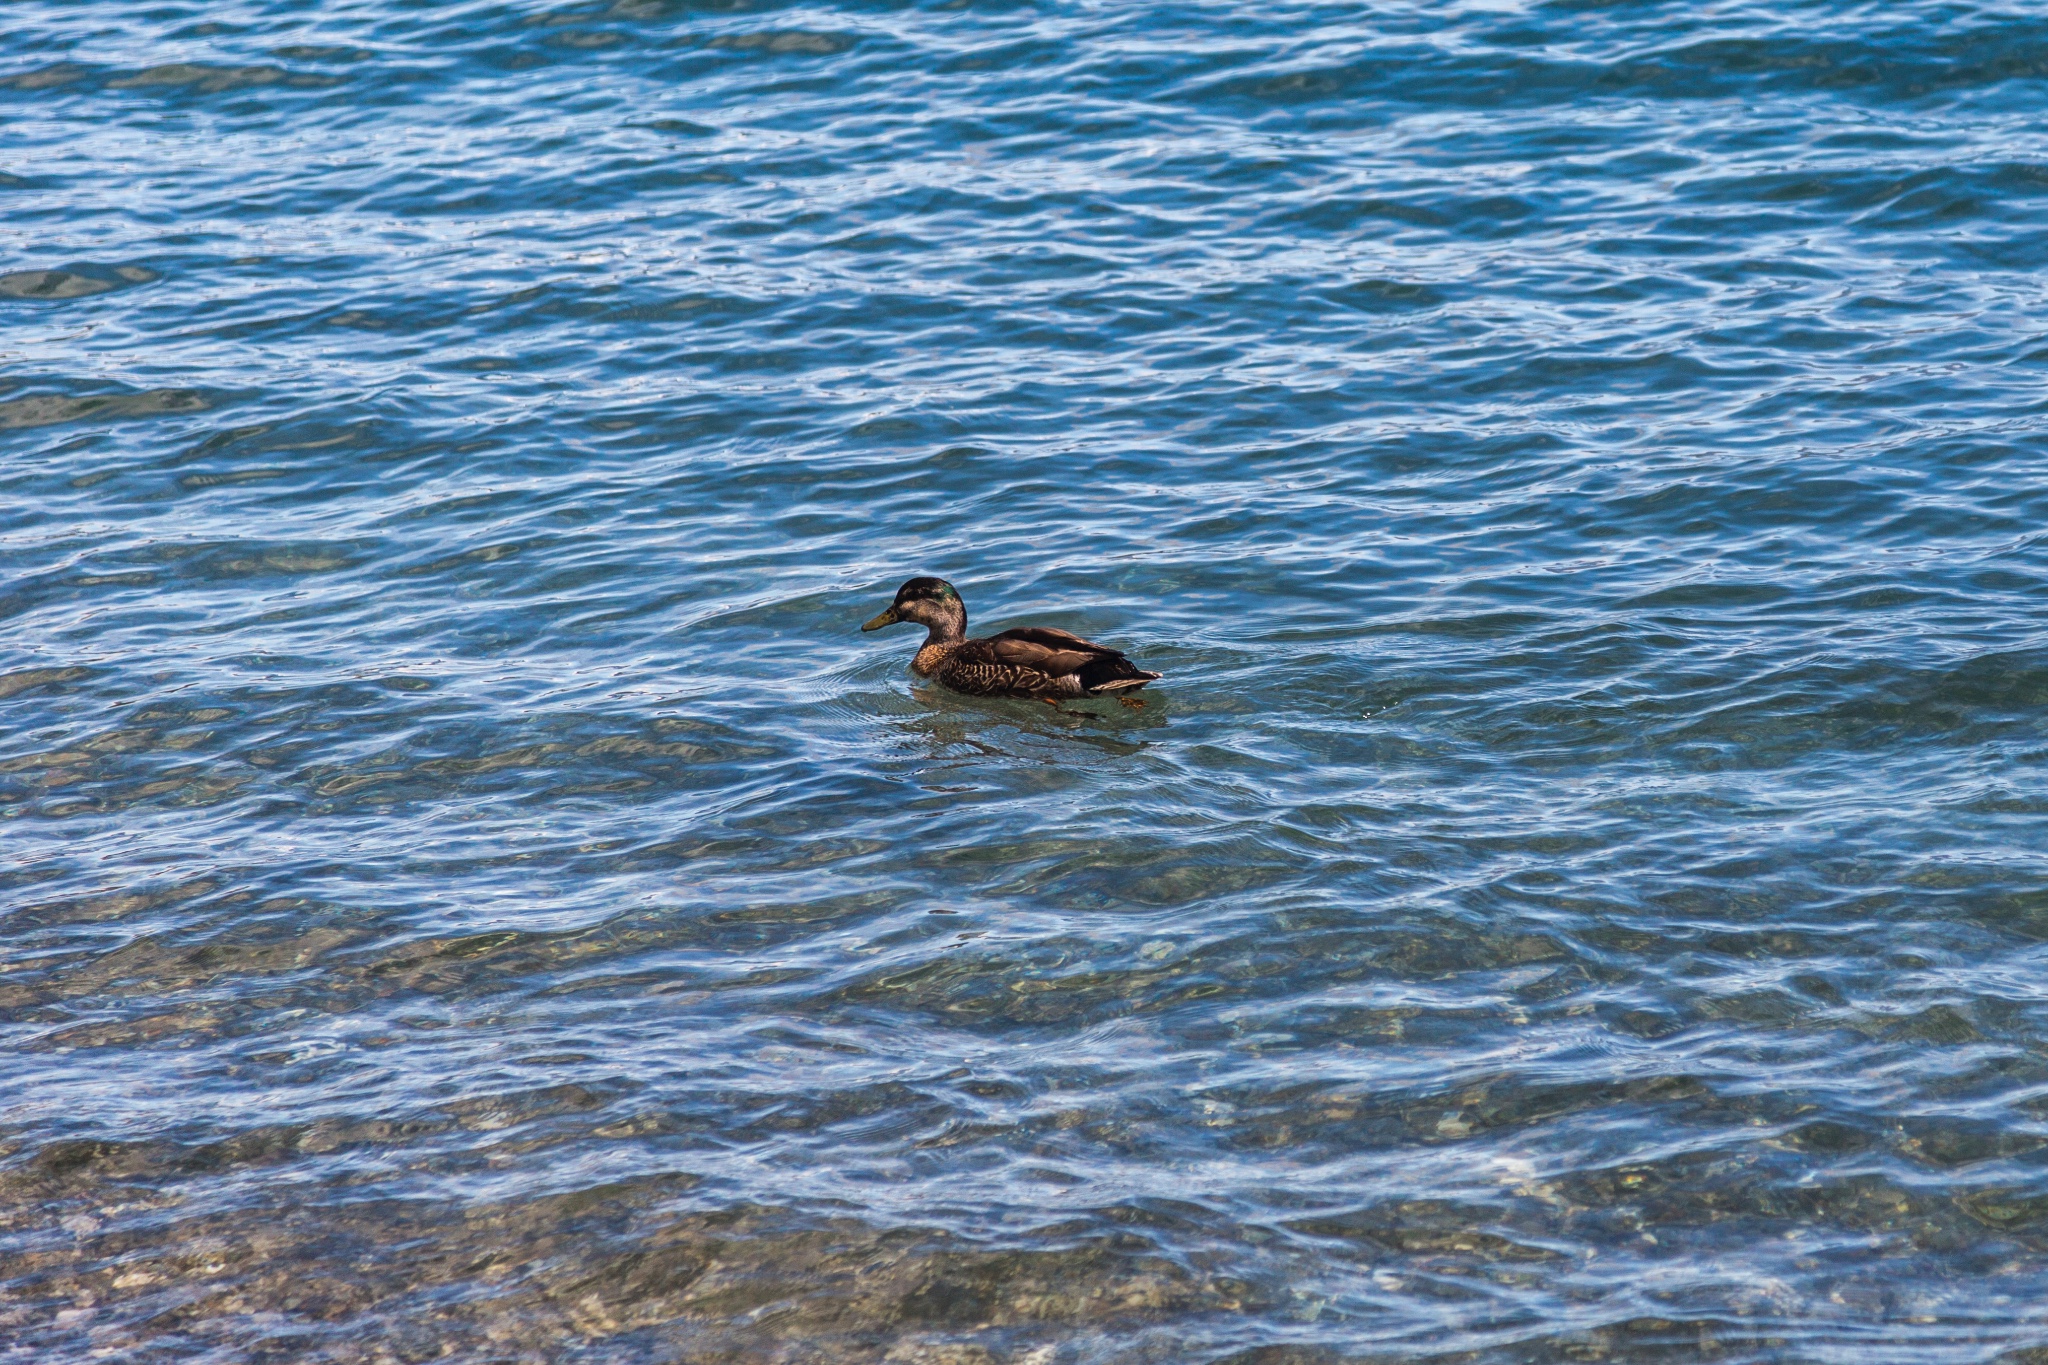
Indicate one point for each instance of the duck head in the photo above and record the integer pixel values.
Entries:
(932, 603)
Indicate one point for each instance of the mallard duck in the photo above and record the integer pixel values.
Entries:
(1031, 661)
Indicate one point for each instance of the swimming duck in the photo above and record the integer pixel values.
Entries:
(1031, 661)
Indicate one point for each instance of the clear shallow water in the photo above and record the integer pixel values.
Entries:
(1579, 894)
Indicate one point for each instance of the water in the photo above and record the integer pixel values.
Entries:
(1579, 893)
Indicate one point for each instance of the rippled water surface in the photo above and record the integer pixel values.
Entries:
(468, 891)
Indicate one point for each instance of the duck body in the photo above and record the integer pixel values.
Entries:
(1034, 661)
(1031, 661)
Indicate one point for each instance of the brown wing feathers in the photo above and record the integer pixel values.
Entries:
(1057, 654)
(1051, 652)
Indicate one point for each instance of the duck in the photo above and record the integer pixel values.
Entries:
(1030, 661)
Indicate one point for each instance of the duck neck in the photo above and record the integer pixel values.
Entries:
(948, 630)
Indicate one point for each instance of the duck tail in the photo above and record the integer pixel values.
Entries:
(1124, 684)
(1113, 673)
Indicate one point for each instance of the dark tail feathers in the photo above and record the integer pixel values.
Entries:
(1112, 673)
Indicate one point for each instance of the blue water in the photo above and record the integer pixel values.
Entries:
(468, 890)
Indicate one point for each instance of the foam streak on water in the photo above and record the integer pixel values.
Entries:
(467, 890)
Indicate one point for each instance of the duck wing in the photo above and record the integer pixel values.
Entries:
(1054, 653)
